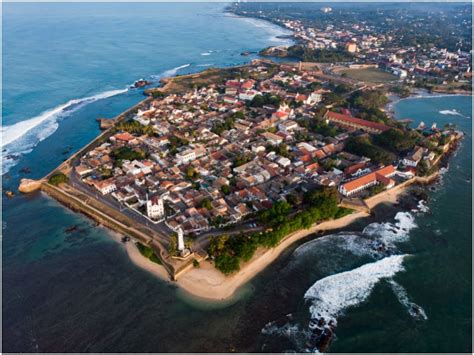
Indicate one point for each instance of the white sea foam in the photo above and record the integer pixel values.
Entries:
(413, 309)
(390, 233)
(422, 207)
(205, 65)
(21, 137)
(14, 132)
(332, 295)
(206, 53)
(170, 72)
(270, 28)
(452, 112)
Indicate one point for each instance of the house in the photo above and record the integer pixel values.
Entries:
(351, 47)
(124, 137)
(83, 170)
(350, 122)
(272, 138)
(105, 186)
(288, 126)
(186, 156)
(414, 157)
(380, 176)
(248, 95)
(356, 170)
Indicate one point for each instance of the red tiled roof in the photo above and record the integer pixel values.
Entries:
(280, 114)
(338, 117)
(380, 175)
(353, 168)
(124, 136)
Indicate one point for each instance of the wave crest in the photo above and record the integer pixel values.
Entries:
(21, 137)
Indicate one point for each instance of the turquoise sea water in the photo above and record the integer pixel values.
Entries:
(79, 291)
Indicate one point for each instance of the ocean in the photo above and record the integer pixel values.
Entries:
(77, 291)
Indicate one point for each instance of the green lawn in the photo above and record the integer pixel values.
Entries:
(373, 75)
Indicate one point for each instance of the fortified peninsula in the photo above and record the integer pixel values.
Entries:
(214, 174)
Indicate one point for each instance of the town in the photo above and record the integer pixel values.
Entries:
(388, 40)
(213, 159)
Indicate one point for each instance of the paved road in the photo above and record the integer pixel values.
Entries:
(162, 231)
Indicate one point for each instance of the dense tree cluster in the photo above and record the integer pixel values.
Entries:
(219, 127)
(135, 127)
(320, 204)
(57, 179)
(127, 153)
(364, 146)
(396, 140)
(306, 54)
(265, 99)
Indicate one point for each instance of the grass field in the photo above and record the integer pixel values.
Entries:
(372, 75)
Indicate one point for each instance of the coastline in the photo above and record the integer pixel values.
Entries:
(208, 283)
(393, 99)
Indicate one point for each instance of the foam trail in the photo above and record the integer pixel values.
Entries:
(413, 309)
(170, 72)
(393, 232)
(14, 132)
(21, 137)
(329, 298)
(334, 294)
(204, 65)
(451, 112)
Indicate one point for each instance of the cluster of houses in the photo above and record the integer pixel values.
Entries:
(215, 158)
(408, 63)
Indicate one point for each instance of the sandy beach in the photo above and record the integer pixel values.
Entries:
(209, 283)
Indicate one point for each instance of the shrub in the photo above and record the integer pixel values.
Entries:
(57, 179)
(227, 263)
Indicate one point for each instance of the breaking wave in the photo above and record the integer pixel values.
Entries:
(332, 295)
(20, 138)
(390, 233)
(329, 298)
(452, 112)
(170, 72)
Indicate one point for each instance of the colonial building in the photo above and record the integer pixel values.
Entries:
(355, 123)
(380, 176)
(155, 208)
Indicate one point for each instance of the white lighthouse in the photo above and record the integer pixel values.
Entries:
(180, 240)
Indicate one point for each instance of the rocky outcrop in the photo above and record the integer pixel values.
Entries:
(280, 51)
(29, 185)
(140, 83)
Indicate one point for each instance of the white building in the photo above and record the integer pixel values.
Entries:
(105, 186)
(186, 156)
(414, 157)
(248, 95)
(288, 126)
(155, 208)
